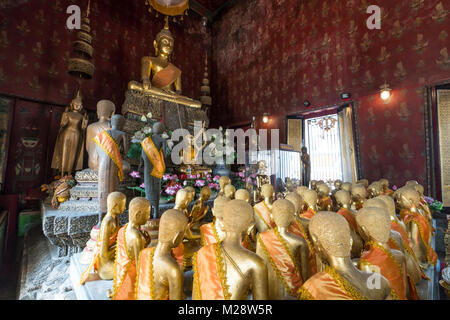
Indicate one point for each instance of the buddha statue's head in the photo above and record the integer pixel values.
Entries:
(323, 190)
(331, 235)
(191, 193)
(77, 103)
(310, 197)
(375, 189)
(116, 203)
(158, 127)
(182, 199)
(374, 224)
(237, 216)
(242, 194)
(304, 150)
(172, 226)
(313, 184)
(419, 189)
(223, 181)
(262, 166)
(205, 193)
(283, 213)
(408, 198)
(139, 211)
(229, 191)
(364, 182)
(105, 109)
(375, 203)
(164, 42)
(296, 200)
(390, 204)
(338, 184)
(384, 183)
(411, 183)
(301, 189)
(347, 186)
(267, 191)
(343, 198)
(359, 192)
(218, 209)
(117, 122)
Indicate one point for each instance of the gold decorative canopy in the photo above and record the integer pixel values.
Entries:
(169, 7)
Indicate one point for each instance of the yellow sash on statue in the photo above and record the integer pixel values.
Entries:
(210, 281)
(96, 255)
(297, 228)
(329, 285)
(349, 216)
(324, 202)
(425, 233)
(282, 260)
(104, 141)
(145, 281)
(124, 270)
(166, 76)
(263, 211)
(378, 256)
(308, 214)
(155, 156)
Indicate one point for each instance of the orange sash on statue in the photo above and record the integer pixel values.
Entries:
(124, 270)
(324, 202)
(178, 254)
(425, 234)
(109, 145)
(145, 281)
(210, 236)
(378, 256)
(209, 275)
(282, 260)
(96, 255)
(166, 76)
(350, 217)
(388, 192)
(308, 214)
(297, 229)
(155, 156)
(329, 285)
(263, 211)
(359, 205)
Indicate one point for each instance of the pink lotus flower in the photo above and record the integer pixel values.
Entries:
(142, 186)
(135, 174)
(253, 176)
(394, 187)
(174, 177)
(242, 174)
(216, 178)
(192, 176)
(199, 183)
(185, 183)
(166, 177)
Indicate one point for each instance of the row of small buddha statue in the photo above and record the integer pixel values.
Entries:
(313, 244)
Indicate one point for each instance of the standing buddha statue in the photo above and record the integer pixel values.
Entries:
(325, 202)
(261, 179)
(263, 209)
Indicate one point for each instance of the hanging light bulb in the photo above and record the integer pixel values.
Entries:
(265, 118)
(385, 91)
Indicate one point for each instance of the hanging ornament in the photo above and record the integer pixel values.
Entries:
(169, 7)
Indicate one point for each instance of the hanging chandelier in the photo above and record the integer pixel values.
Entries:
(169, 7)
(326, 123)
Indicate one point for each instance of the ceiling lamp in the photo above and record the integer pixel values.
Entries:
(169, 7)
(385, 91)
(265, 118)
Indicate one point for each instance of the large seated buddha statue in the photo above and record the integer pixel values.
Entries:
(160, 78)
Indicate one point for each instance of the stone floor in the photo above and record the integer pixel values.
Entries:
(41, 277)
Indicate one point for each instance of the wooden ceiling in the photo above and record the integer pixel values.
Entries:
(210, 8)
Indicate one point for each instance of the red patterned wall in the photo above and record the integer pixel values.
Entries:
(35, 46)
(271, 55)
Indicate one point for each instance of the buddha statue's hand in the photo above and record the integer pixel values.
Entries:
(146, 84)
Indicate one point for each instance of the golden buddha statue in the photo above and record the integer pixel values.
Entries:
(105, 110)
(182, 201)
(226, 270)
(359, 195)
(160, 78)
(243, 194)
(332, 240)
(337, 187)
(263, 209)
(325, 202)
(347, 186)
(69, 147)
(385, 185)
(418, 228)
(374, 225)
(413, 268)
(223, 181)
(314, 185)
(159, 276)
(102, 260)
(375, 189)
(198, 211)
(311, 199)
(130, 241)
(189, 160)
(213, 232)
(261, 179)
(229, 191)
(344, 202)
(300, 190)
(423, 205)
(364, 182)
(286, 255)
